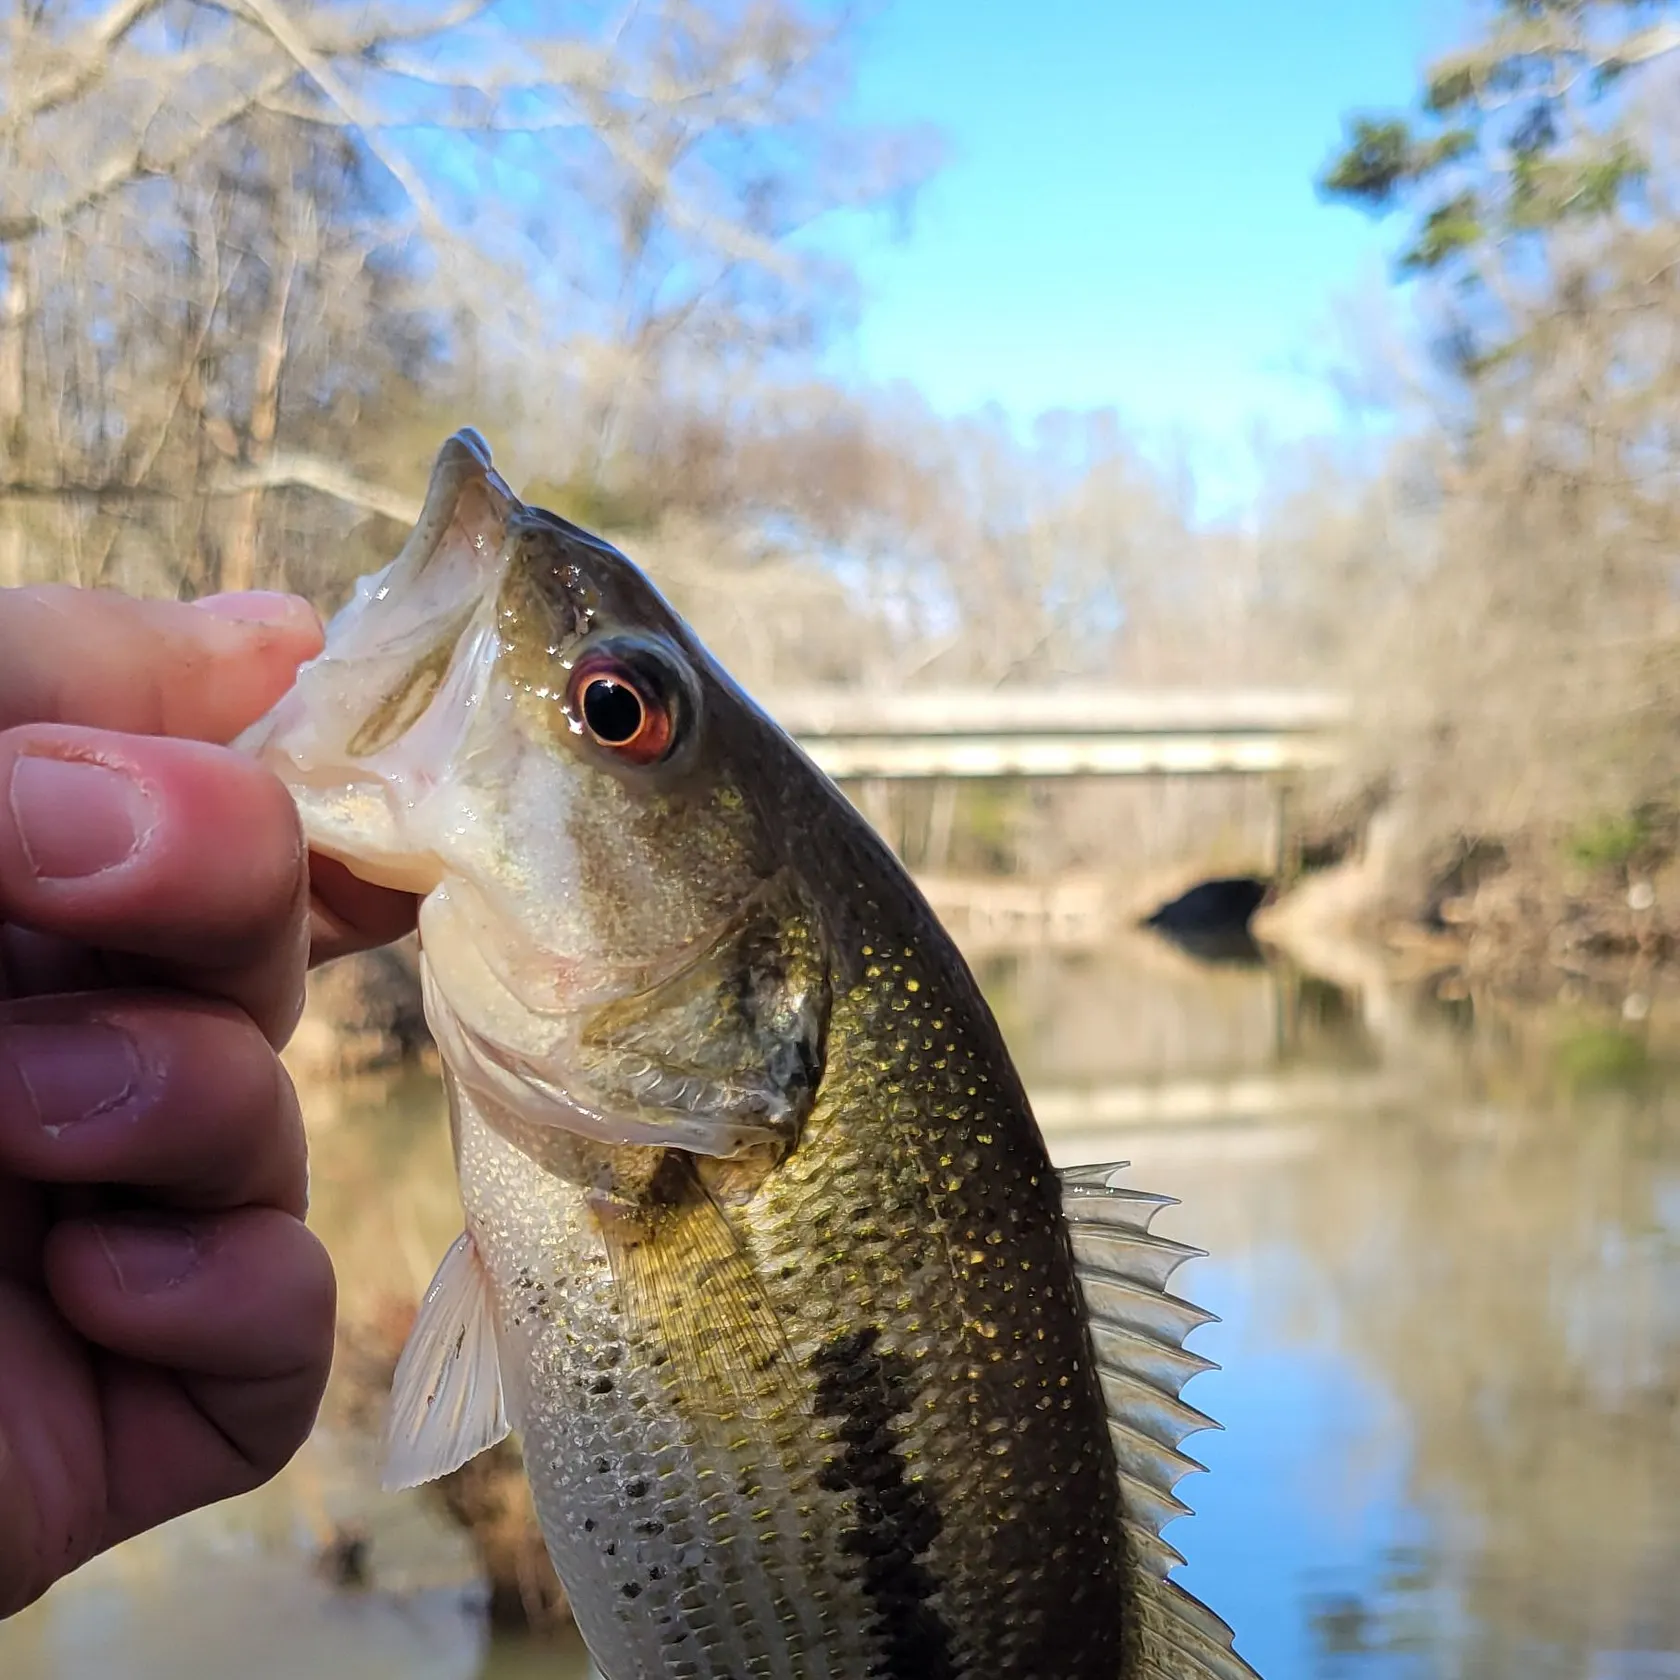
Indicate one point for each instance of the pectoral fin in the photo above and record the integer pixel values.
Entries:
(446, 1399)
(691, 1289)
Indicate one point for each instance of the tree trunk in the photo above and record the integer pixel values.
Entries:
(239, 560)
(14, 311)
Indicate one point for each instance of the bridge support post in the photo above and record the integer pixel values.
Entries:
(1286, 837)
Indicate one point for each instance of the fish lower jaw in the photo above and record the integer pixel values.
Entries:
(417, 875)
(359, 826)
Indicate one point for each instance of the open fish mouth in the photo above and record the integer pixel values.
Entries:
(404, 675)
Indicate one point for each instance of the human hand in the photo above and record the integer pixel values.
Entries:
(166, 1319)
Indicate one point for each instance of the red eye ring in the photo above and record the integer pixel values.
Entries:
(620, 710)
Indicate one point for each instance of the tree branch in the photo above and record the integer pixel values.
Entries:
(136, 163)
(282, 471)
(90, 59)
(278, 25)
(1656, 42)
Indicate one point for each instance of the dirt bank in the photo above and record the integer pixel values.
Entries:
(1521, 919)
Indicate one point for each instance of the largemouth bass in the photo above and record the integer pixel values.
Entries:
(820, 1369)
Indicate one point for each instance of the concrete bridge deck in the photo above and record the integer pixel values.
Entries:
(934, 734)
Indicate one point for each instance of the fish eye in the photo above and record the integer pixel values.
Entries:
(624, 708)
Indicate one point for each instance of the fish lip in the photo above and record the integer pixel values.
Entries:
(412, 881)
(360, 796)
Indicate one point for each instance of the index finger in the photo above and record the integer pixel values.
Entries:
(94, 657)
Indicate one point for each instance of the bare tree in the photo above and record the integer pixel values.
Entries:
(227, 229)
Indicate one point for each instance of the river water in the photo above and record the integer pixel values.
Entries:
(1445, 1252)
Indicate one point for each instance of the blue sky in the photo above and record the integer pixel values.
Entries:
(1128, 218)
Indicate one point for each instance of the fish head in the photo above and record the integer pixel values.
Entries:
(513, 705)
(510, 721)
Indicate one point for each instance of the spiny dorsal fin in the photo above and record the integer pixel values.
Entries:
(1137, 1334)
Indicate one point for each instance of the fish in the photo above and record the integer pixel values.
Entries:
(820, 1370)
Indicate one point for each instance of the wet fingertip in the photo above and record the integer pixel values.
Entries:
(270, 608)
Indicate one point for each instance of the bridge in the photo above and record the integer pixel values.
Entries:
(963, 733)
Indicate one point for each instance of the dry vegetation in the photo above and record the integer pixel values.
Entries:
(1506, 583)
(257, 258)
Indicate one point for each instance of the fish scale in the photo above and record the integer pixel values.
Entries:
(989, 1324)
(821, 1371)
(707, 1576)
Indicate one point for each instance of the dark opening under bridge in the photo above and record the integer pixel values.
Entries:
(935, 734)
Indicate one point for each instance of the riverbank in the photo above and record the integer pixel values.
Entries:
(1524, 921)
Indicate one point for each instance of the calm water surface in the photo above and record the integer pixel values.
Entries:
(1445, 1254)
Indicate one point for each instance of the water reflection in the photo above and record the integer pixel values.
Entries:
(1452, 1344)
(1450, 1294)
(237, 1591)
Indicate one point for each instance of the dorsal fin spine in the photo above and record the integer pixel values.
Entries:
(1137, 1335)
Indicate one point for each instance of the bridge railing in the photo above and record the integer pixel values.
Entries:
(929, 734)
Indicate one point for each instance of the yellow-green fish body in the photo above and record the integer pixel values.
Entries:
(820, 1369)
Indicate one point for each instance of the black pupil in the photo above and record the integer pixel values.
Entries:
(612, 711)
